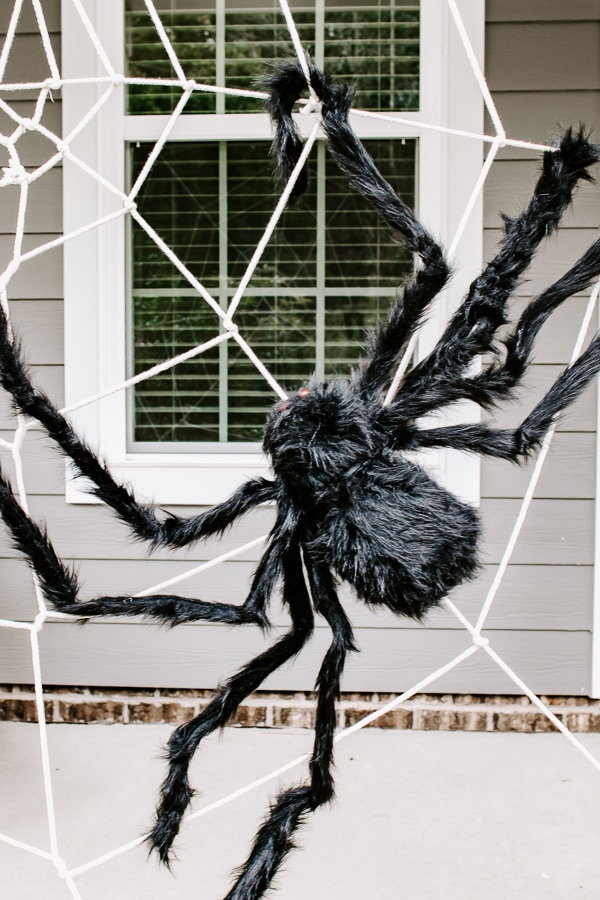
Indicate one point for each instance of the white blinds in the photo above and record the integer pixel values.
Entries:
(232, 42)
(326, 277)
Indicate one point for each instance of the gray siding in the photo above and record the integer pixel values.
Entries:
(530, 47)
(542, 618)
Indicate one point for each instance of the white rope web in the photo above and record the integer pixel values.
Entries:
(16, 174)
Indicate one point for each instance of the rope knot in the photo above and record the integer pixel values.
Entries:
(480, 641)
(14, 173)
(61, 868)
(312, 105)
(53, 84)
(229, 325)
(38, 622)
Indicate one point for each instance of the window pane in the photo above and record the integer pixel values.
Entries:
(346, 325)
(193, 34)
(289, 260)
(373, 44)
(180, 200)
(254, 40)
(181, 404)
(360, 248)
(326, 277)
(281, 331)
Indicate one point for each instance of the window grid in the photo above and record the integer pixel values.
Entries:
(220, 398)
(300, 313)
(373, 44)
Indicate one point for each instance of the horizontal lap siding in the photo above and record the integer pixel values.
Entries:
(542, 617)
(203, 655)
(530, 48)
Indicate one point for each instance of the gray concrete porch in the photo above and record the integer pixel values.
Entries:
(418, 816)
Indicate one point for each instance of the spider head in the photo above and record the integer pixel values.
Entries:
(323, 428)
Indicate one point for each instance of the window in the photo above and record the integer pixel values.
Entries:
(209, 196)
(330, 269)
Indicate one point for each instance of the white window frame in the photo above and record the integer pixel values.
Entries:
(94, 262)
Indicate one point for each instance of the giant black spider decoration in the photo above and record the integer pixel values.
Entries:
(349, 505)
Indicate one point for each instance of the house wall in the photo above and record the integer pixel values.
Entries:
(541, 622)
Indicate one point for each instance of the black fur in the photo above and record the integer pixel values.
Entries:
(349, 504)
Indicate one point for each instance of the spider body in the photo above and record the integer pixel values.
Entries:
(399, 539)
(378, 520)
(349, 503)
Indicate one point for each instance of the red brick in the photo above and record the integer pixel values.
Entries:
(395, 718)
(583, 722)
(251, 717)
(89, 711)
(523, 722)
(451, 720)
(294, 716)
(159, 713)
(23, 710)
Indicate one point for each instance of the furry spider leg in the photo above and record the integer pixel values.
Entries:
(275, 838)
(499, 380)
(471, 330)
(173, 531)
(286, 84)
(175, 791)
(60, 587)
(516, 444)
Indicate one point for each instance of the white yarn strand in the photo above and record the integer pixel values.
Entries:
(203, 567)
(102, 54)
(10, 36)
(273, 221)
(46, 42)
(164, 38)
(298, 46)
(476, 69)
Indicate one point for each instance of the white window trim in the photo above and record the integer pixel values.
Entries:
(94, 263)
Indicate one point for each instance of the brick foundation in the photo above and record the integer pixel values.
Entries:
(424, 712)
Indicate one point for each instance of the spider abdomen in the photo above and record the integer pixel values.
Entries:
(400, 540)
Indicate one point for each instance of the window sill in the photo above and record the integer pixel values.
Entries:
(178, 479)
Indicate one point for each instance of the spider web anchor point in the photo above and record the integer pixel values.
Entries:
(14, 173)
(480, 641)
(39, 622)
(28, 123)
(312, 105)
(230, 326)
(53, 84)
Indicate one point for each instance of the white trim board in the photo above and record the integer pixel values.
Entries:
(95, 283)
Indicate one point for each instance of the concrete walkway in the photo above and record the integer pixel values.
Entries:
(418, 816)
